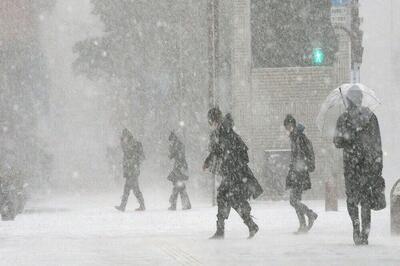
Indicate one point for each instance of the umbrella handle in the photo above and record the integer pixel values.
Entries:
(341, 94)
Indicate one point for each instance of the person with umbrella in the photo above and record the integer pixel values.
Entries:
(357, 133)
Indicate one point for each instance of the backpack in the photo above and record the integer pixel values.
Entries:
(309, 153)
(239, 150)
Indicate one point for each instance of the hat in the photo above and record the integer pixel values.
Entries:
(289, 120)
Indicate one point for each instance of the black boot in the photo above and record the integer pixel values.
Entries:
(253, 227)
(253, 231)
(220, 233)
(356, 232)
(141, 208)
(357, 237)
(141, 205)
(121, 209)
(302, 221)
(312, 216)
(364, 237)
(303, 226)
(302, 229)
(187, 206)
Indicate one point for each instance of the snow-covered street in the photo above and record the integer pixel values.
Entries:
(87, 230)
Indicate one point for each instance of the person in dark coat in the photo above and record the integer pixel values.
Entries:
(302, 161)
(238, 185)
(8, 199)
(178, 175)
(358, 134)
(133, 157)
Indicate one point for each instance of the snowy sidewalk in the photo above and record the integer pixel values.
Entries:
(89, 231)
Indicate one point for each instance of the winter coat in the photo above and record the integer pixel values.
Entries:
(133, 157)
(213, 160)
(298, 176)
(230, 151)
(177, 153)
(358, 134)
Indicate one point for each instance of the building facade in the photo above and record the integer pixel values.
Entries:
(261, 97)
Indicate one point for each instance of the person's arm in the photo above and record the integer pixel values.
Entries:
(339, 138)
(208, 161)
(214, 152)
(142, 155)
(292, 160)
(171, 151)
(376, 145)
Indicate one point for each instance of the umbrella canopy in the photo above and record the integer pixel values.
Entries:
(337, 102)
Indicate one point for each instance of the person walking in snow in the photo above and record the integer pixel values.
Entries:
(178, 175)
(302, 161)
(358, 134)
(238, 185)
(132, 158)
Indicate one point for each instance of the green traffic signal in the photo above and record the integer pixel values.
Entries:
(318, 56)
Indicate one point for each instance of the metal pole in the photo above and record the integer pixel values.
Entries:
(212, 51)
(212, 11)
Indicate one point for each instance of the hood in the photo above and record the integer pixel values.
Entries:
(228, 122)
(126, 133)
(354, 96)
(300, 128)
(172, 136)
(360, 117)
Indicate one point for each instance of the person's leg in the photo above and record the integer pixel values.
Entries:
(185, 198)
(352, 208)
(224, 209)
(173, 198)
(295, 197)
(365, 221)
(125, 195)
(138, 194)
(243, 208)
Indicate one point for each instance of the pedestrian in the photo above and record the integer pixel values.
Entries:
(178, 175)
(8, 198)
(229, 152)
(302, 162)
(133, 156)
(358, 134)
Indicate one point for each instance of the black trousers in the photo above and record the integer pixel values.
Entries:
(301, 209)
(228, 198)
(179, 189)
(132, 183)
(353, 203)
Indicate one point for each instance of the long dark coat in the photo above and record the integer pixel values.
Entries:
(177, 153)
(133, 157)
(298, 177)
(230, 152)
(358, 134)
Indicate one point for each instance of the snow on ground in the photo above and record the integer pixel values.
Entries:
(86, 230)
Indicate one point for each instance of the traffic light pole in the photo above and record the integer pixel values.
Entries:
(212, 11)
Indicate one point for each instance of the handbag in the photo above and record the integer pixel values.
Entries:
(378, 199)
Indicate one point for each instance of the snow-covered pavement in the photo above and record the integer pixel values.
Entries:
(88, 231)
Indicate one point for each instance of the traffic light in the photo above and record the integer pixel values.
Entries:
(318, 56)
(339, 2)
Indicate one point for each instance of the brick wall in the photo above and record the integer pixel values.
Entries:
(262, 97)
(241, 65)
(280, 91)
